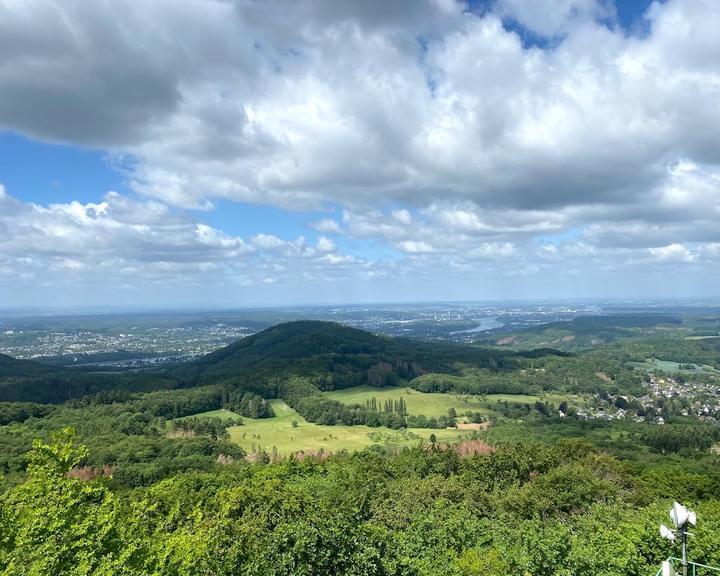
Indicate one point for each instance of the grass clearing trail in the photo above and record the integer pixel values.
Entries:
(280, 432)
(671, 367)
(223, 414)
(263, 434)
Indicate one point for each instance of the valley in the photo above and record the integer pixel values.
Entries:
(317, 427)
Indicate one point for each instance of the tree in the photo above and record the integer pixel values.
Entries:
(433, 438)
(56, 524)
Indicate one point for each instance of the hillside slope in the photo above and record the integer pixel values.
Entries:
(336, 356)
(586, 332)
(12, 368)
(330, 355)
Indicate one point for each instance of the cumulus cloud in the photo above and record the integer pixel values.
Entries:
(552, 17)
(120, 239)
(672, 253)
(415, 247)
(295, 104)
(327, 225)
(436, 130)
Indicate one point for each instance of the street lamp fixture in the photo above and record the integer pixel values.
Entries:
(682, 518)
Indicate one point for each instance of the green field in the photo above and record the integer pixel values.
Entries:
(279, 432)
(417, 402)
(651, 364)
(222, 414)
(431, 404)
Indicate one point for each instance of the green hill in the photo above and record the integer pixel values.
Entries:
(327, 355)
(586, 331)
(335, 356)
(12, 367)
(29, 381)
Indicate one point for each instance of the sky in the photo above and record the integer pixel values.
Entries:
(275, 152)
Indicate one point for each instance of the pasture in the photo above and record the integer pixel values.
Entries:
(286, 438)
(279, 431)
(427, 404)
(653, 364)
(437, 404)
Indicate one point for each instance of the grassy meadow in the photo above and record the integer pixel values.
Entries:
(437, 404)
(653, 364)
(417, 402)
(280, 432)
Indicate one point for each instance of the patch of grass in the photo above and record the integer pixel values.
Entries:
(430, 404)
(222, 414)
(438, 404)
(652, 364)
(573, 400)
(279, 432)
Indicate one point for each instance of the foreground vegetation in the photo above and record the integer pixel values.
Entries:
(520, 509)
(317, 449)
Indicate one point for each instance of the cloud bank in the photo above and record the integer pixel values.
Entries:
(433, 134)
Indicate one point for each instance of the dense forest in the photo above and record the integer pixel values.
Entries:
(566, 471)
(566, 508)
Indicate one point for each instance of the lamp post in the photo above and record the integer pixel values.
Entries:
(682, 518)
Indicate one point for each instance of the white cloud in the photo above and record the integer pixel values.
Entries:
(402, 216)
(296, 105)
(121, 240)
(268, 241)
(325, 245)
(415, 247)
(434, 130)
(672, 253)
(327, 225)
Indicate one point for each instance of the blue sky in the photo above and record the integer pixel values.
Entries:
(155, 155)
(45, 173)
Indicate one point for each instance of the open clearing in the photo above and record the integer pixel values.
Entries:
(651, 364)
(437, 404)
(428, 404)
(279, 432)
(222, 414)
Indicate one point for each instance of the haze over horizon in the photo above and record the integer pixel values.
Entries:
(233, 153)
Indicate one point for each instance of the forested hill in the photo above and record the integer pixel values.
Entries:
(586, 332)
(337, 356)
(13, 368)
(331, 355)
(29, 381)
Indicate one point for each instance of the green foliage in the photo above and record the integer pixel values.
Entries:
(673, 438)
(332, 356)
(55, 524)
(564, 509)
(553, 496)
(213, 427)
(249, 404)
(21, 411)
